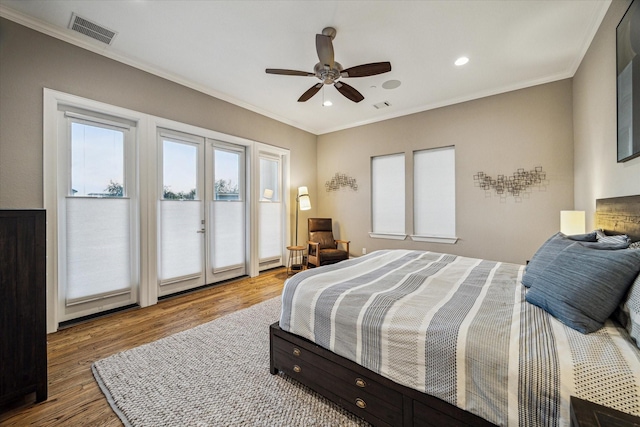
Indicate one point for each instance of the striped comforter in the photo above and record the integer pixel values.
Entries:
(460, 329)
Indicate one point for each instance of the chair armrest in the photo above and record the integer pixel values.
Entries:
(313, 248)
(345, 243)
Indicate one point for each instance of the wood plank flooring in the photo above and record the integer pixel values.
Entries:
(74, 396)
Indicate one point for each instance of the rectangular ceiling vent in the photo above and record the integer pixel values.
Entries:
(381, 105)
(91, 29)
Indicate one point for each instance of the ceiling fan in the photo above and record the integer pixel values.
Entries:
(329, 71)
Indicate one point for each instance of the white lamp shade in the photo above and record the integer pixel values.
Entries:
(304, 199)
(572, 222)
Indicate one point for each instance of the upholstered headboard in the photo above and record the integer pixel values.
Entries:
(619, 215)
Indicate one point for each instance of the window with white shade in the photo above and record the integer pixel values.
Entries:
(434, 195)
(270, 240)
(388, 196)
(97, 213)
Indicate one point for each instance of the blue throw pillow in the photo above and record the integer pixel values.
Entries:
(583, 286)
(548, 252)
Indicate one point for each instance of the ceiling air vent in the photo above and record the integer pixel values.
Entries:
(91, 29)
(381, 105)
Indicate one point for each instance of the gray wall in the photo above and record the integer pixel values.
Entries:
(597, 173)
(31, 61)
(496, 135)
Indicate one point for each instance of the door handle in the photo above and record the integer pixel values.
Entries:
(200, 231)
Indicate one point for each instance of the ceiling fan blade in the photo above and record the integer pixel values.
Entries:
(310, 92)
(367, 70)
(349, 91)
(324, 47)
(288, 72)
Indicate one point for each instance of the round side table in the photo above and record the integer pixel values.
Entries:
(296, 257)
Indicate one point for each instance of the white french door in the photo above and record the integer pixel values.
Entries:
(181, 222)
(202, 212)
(227, 211)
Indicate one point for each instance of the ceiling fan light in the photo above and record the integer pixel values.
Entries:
(327, 103)
(461, 61)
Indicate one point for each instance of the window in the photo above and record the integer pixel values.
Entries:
(98, 219)
(434, 195)
(270, 211)
(387, 197)
(97, 160)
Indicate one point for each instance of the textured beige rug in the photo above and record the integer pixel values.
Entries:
(216, 374)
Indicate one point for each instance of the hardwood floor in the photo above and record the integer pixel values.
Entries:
(74, 396)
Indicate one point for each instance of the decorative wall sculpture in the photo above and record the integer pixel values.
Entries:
(341, 180)
(517, 185)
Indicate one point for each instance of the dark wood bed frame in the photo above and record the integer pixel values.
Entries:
(383, 402)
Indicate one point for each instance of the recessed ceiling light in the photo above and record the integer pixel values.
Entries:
(327, 103)
(461, 61)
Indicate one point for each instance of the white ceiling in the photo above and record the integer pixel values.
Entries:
(223, 47)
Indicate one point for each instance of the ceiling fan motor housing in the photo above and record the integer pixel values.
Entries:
(326, 74)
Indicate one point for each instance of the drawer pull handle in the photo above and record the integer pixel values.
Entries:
(296, 352)
(297, 369)
(361, 383)
(361, 403)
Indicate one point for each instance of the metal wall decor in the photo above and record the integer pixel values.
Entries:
(341, 180)
(517, 185)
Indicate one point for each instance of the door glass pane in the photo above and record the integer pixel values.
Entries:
(97, 161)
(228, 235)
(181, 244)
(228, 210)
(179, 170)
(227, 175)
(181, 239)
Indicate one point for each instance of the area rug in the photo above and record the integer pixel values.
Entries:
(216, 374)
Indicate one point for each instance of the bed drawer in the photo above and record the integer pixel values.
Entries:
(361, 395)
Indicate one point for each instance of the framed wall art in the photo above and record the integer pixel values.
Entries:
(628, 83)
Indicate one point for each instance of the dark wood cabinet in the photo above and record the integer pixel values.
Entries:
(23, 330)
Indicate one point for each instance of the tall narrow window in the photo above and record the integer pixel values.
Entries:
(387, 196)
(434, 195)
(270, 213)
(99, 267)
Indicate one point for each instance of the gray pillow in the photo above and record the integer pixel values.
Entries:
(606, 245)
(620, 239)
(629, 312)
(548, 251)
(583, 286)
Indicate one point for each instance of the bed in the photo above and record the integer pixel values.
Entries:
(404, 338)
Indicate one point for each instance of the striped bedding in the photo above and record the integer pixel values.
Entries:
(460, 329)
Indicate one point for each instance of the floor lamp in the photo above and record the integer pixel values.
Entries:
(303, 202)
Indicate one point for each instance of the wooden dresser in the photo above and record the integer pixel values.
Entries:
(23, 331)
